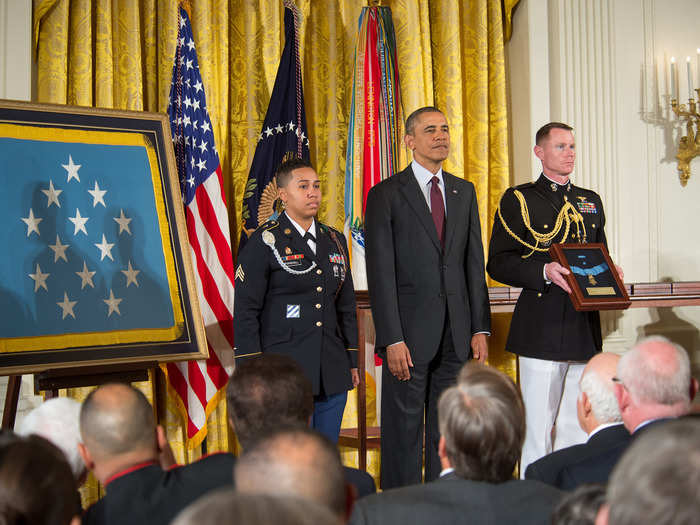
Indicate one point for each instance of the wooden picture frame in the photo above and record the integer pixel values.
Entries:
(593, 278)
(94, 256)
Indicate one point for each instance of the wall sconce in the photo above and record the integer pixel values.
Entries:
(689, 145)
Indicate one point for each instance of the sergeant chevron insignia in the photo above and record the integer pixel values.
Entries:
(240, 274)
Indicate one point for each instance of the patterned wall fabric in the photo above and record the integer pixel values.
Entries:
(118, 54)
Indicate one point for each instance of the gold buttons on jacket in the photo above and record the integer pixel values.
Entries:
(539, 294)
(319, 271)
(319, 288)
(319, 323)
(318, 306)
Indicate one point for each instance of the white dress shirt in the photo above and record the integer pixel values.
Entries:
(302, 232)
(424, 177)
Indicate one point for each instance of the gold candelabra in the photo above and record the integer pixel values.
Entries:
(689, 145)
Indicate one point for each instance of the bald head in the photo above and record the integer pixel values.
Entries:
(295, 462)
(655, 381)
(117, 419)
(597, 404)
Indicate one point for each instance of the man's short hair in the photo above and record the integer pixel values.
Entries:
(294, 461)
(647, 382)
(658, 478)
(226, 506)
(265, 392)
(412, 119)
(581, 506)
(543, 133)
(37, 486)
(601, 394)
(283, 174)
(116, 418)
(482, 419)
(57, 420)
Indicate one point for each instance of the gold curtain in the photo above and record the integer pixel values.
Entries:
(119, 54)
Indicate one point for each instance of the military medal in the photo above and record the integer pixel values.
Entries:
(335, 270)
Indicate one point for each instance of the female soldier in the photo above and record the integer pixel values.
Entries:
(294, 295)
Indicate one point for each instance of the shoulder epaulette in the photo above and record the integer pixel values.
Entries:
(322, 226)
(268, 225)
(524, 186)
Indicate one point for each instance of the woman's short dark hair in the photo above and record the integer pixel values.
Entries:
(37, 486)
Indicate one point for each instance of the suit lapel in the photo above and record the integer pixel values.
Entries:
(456, 206)
(414, 196)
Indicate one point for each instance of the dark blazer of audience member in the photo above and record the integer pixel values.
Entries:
(657, 481)
(653, 385)
(226, 506)
(482, 425)
(37, 486)
(297, 462)
(598, 416)
(121, 445)
(271, 391)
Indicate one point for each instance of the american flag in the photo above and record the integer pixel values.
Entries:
(200, 384)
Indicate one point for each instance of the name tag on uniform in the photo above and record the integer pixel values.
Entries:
(293, 311)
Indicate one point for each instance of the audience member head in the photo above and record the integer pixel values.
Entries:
(266, 392)
(297, 462)
(37, 486)
(657, 481)
(58, 420)
(581, 506)
(118, 429)
(223, 507)
(596, 404)
(653, 382)
(482, 424)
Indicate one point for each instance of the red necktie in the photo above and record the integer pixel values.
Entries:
(437, 208)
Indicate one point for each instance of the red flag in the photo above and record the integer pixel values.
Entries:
(198, 385)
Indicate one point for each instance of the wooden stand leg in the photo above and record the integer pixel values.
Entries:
(9, 414)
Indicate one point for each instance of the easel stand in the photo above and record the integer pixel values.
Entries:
(51, 381)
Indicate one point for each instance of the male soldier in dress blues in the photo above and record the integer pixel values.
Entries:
(553, 340)
(294, 295)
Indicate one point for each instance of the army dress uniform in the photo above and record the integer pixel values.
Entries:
(545, 326)
(292, 301)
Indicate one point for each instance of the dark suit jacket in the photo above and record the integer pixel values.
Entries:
(451, 499)
(412, 282)
(548, 469)
(597, 468)
(545, 324)
(363, 482)
(149, 495)
(311, 316)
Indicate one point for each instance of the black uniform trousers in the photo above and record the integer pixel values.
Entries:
(405, 404)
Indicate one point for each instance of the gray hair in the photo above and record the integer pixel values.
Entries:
(57, 420)
(646, 381)
(412, 119)
(658, 478)
(226, 506)
(482, 419)
(602, 397)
